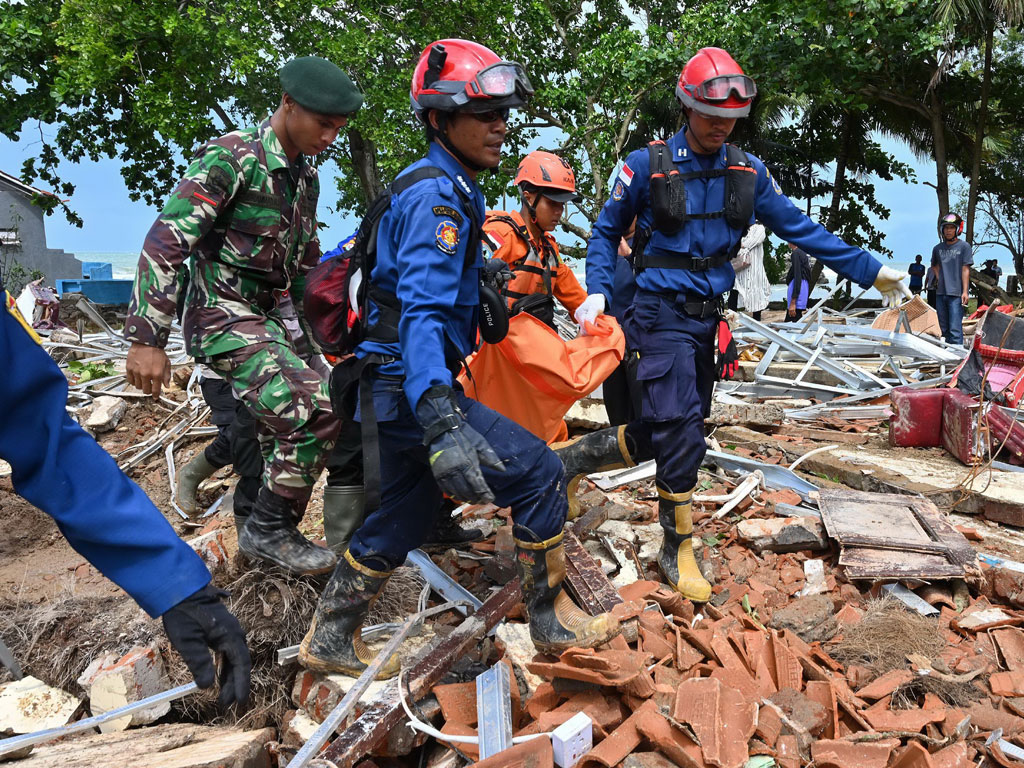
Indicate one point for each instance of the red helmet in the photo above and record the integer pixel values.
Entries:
(460, 74)
(714, 84)
(951, 219)
(550, 174)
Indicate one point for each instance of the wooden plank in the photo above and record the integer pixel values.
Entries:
(870, 527)
(585, 579)
(374, 724)
(867, 563)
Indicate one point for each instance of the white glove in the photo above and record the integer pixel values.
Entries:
(588, 311)
(889, 283)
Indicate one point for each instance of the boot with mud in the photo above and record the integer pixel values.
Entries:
(676, 561)
(556, 623)
(343, 514)
(598, 451)
(189, 478)
(270, 534)
(334, 642)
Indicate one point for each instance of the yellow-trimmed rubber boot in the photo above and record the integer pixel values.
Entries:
(556, 623)
(598, 451)
(676, 561)
(334, 642)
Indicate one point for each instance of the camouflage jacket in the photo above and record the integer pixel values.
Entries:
(244, 224)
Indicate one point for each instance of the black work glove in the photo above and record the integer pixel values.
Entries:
(496, 273)
(728, 359)
(456, 450)
(201, 623)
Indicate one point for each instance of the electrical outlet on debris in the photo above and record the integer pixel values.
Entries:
(572, 740)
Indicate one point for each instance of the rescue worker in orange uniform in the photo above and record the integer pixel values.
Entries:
(546, 183)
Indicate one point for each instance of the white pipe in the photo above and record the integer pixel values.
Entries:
(808, 455)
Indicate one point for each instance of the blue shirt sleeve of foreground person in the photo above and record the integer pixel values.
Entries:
(708, 238)
(106, 517)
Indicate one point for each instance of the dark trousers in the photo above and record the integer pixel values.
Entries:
(533, 483)
(236, 443)
(676, 374)
(622, 393)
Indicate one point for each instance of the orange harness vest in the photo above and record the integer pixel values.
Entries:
(535, 274)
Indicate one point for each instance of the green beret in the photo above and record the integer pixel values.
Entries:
(320, 86)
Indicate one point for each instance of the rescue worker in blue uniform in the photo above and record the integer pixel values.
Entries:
(425, 293)
(694, 205)
(106, 517)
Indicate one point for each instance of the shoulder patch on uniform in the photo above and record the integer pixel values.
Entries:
(626, 175)
(775, 184)
(618, 191)
(218, 179)
(449, 212)
(446, 237)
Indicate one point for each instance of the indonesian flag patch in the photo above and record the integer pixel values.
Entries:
(626, 175)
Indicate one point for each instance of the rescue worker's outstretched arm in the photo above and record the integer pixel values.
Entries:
(106, 517)
(208, 185)
(789, 222)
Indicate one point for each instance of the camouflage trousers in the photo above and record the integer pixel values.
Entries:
(292, 407)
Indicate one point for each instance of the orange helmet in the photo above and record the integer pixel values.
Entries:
(550, 174)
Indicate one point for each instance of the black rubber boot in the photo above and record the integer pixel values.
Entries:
(448, 533)
(675, 560)
(343, 514)
(189, 478)
(270, 534)
(595, 452)
(556, 623)
(334, 642)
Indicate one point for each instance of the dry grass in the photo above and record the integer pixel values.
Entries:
(885, 635)
(56, 640)
(881, 642)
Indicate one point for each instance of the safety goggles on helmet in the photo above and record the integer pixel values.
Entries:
(716, 90)
(506, 78)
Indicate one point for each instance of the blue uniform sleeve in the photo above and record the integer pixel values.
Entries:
(63, 471)
(615, 217)
(787, 221)
(431, 253)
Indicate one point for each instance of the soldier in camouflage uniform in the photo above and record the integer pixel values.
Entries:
(243, 222)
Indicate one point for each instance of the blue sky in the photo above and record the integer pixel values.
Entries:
(115, 223)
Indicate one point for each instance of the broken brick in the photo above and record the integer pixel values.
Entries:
(1007, 683)
(912, 720)
(886, 684)
(622, 740)
(769, 725)
(810, 715)
(671, 742)
(534, 753)
(845, 754)
(721, 717)
(914, 756)
(458, 702)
